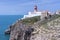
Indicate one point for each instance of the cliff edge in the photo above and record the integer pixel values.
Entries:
(36, 29)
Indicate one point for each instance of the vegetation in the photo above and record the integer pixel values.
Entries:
(31, 20)
(44, 23)
(37, 18)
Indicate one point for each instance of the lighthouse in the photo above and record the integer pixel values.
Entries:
(35, 8)
(34, 13)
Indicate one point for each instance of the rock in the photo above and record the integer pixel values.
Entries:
(7, 31)
(28, 33)
(41, 30)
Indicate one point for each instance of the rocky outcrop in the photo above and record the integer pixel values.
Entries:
(48, 29)
(7, 31)
(20, 31)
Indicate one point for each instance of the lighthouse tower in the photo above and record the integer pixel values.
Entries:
(35, 8)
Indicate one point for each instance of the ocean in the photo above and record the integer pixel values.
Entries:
(5, 21)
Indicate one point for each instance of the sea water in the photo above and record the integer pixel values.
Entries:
(5, 21)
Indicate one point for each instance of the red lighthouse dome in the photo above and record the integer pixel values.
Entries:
(35, 8)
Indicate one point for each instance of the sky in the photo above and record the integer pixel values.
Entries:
(22, 7)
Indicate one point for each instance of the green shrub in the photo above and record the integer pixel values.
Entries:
(31, 20)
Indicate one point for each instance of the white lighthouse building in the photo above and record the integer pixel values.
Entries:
(42, 14)
(32, 14)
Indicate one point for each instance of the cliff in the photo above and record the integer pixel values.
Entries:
(36, 29)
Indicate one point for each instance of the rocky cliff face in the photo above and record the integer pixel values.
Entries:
(48, 29)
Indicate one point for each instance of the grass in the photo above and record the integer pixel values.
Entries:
(31, 20)
(44, 23)
(37, 18)
(45, 26)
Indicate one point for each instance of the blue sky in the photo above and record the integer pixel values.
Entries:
(21, 7)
